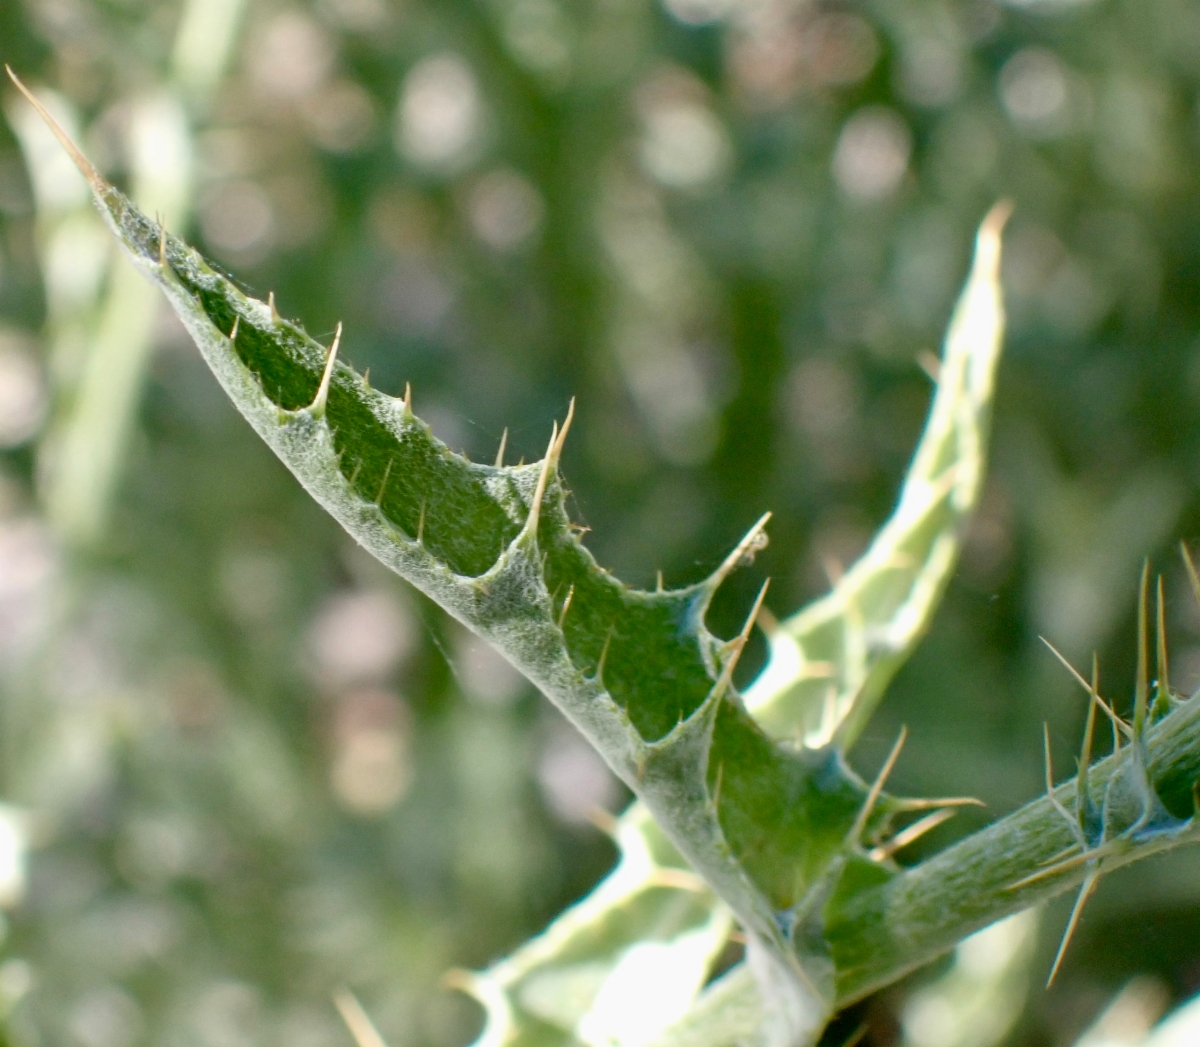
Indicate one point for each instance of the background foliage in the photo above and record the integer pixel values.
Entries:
(242, 765)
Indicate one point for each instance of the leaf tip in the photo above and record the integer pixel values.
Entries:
(98, 184)
(987, 241)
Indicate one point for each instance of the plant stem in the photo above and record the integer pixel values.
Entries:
(879, 934)
(882, 933)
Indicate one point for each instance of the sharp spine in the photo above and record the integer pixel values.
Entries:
(1085, 892)
(598, 675)
(562, 616)
(1141, 692)
(864, 814)
(737, 645)
(1117, 722)
(383, 486)
(317, 407)
(98, 184)
(754, 540)
(1162, 689)
(910, 834)
(1190, 566)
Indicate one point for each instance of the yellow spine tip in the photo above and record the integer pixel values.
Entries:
(322, 397)
(98, 184)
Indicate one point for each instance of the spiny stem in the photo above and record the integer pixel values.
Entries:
(882, 932)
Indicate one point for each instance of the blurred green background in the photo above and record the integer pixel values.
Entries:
(241, 765)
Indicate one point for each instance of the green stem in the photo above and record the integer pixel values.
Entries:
(878, 934)
(882, 933)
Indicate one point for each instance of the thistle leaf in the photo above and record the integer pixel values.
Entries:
(637, 672)
(831, 661)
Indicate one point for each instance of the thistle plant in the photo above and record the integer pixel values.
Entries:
(748, 814)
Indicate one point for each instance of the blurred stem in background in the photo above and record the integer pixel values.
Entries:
(101, 314)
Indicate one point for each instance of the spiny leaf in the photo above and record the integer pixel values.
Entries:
(1104, 830)
(637, 672)
(920, 537)
(832, 660)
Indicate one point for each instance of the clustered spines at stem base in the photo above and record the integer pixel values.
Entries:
(1091, 823)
